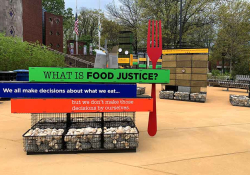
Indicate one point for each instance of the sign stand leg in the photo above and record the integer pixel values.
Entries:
(249, 89)
(68, 120)
(102, 125)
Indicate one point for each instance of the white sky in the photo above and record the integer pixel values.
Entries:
(90, 4)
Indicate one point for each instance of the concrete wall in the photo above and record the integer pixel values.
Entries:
(11, 17)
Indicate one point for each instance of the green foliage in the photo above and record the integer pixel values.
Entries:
(216, 72)
(68, 26)
(88, 25)
(54, 6)
(129, 15)
(110, 32)
(15, 54)
(232, 43)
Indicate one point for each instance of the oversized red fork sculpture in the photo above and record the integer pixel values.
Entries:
(154, 52)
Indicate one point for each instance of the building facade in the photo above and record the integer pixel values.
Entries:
(32, 21)
(53, 31)
(11, 17)
(24, 18)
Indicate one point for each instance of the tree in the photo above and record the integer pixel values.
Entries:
(232, 43)
(110, 31)
(128, 15)
(88, 25)
(197, 20)
(68, 25)
(54, 6)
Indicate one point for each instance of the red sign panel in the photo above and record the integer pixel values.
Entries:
(81, 105)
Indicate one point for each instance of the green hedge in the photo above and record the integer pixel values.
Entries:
(15, 54)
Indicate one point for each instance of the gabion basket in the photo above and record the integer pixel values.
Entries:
(182, 96)
(115, 139)
(239, 100)
(198, 97)
(119, 119)
(41, 119)
(82, 138)
(86, 117)
(166, 94)
(141, 90)
(44, 138)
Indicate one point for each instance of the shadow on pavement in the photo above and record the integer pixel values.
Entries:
(4, 99)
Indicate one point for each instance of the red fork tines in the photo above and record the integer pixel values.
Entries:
(154, 52)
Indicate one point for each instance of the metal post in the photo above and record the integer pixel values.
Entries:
(180, 24)
(76, 34)
(102, 125)
(68, 122)
(249, 89)
(106, 45)
(99, 24)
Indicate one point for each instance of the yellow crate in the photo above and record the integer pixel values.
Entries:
(182, 51)
(142, 59)
(123, 60)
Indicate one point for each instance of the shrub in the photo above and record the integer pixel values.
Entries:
(15, 54)
(216, 72)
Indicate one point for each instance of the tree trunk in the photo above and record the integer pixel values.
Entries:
(223, 61)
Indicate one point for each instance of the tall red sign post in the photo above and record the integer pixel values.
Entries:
(154, 49)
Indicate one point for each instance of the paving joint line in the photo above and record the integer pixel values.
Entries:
(195, 158)
(11, 140)
(202, 127)
(131, 165)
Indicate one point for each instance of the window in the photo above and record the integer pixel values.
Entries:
(57, 34)
(51, 33)
(12, 31)
(50, 20)
(51, 45)
(57, 20)
(58, 45)
(11, 13)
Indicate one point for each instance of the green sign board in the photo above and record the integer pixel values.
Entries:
(49, 74)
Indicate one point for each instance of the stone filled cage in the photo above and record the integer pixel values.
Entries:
(83, 136)
(81, 132)
(48, 119)
(74, 118)
(44, 138)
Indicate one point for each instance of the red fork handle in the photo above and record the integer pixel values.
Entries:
(152, 122)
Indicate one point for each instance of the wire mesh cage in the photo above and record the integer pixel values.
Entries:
(41, 119)
(83, 138)
(117, 119)
(44, 138)
(239, 100)
(86, 117)
(81, 132)
(119, 116)
(121, 137)
(198, 97)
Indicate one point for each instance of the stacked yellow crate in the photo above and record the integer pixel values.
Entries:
(169, 62)
(183, 70)
(199, 73)
(188, 68)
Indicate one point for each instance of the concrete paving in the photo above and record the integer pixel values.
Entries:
(211, 138)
